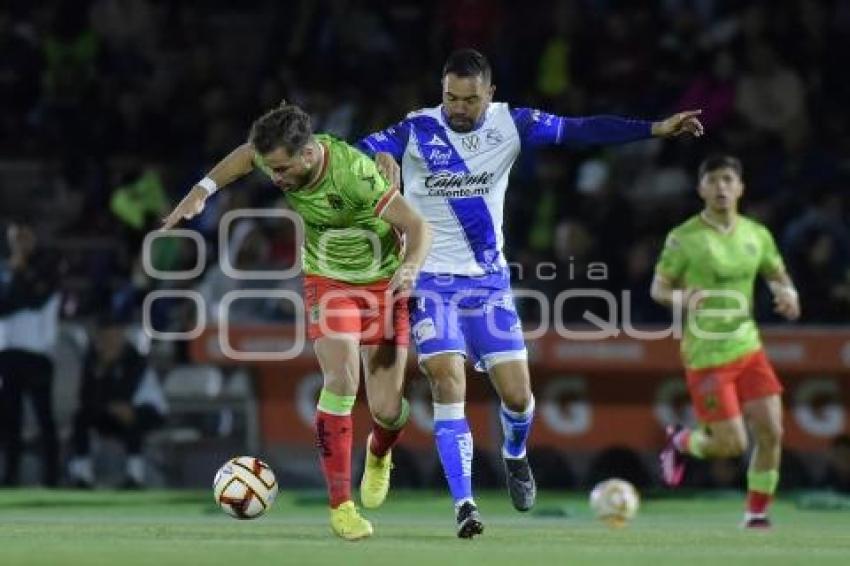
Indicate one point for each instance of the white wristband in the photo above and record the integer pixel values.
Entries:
(208, 184)
(777, 288)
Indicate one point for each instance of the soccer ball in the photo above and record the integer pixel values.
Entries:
(614, 501)
(245, 487)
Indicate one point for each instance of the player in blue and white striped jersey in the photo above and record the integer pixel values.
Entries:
(455, 162)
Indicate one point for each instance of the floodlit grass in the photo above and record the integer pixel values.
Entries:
(162, 528)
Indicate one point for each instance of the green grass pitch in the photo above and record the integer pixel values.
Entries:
(163, 528)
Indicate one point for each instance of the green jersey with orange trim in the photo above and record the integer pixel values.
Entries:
(345, 238)
(700, 255)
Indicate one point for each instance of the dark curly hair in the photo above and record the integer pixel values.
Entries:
(286, 126)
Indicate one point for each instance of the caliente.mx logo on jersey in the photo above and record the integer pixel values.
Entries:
(447, 179)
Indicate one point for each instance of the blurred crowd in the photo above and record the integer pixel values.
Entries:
(120, 105)
(111, 109)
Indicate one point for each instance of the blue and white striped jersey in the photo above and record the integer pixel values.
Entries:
(457, 181)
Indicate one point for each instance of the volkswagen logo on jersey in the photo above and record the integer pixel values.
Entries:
(471, 143)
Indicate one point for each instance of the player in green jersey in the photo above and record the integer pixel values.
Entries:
(357, 275)
(708, 267)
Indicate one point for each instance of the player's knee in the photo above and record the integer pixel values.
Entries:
(385, 408)
(734, 444)
(777, 432)
(445, 375)
(726, 443)
(341, 377)
(447, 390)
(517, 400)
(340, 365)
(770, 434)
(386, 413)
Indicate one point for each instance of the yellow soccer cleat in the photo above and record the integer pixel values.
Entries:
(347, 523)
(376, 478)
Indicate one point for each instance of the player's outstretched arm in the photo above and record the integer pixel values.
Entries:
(417, 233)
(786, 300)
(237, 164)
(537, 128)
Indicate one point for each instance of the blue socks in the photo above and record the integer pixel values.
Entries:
(454, 445)
(516, 427)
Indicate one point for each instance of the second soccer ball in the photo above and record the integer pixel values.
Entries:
(614, 501)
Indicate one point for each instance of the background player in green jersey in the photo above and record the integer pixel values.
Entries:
(357, 274)
(708, 267)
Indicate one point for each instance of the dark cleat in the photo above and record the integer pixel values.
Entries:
(521, 483)
(469, 521)
(757, 523)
